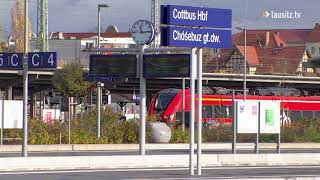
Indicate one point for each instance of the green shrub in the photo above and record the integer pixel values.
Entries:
(12, 136)
(179, 136)
(220, 133)
(83, 131)
(40, 133)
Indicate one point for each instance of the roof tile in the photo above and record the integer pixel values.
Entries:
(252, 57)
(280, 60)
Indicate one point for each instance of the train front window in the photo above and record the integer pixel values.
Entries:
(164, 98)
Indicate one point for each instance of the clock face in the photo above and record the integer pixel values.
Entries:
(142, 32)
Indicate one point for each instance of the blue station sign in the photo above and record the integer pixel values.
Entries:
(42, 60)
(196, 16)
(11, 60)
(194, 37)
(35, 60)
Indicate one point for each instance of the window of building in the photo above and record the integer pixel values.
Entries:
(89, 45)
(215, 51)
(319, 50)
(313, 50)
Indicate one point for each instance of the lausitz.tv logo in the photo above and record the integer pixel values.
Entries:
(281, 14)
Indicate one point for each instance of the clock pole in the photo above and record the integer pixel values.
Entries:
(142, 104)
(142, 32)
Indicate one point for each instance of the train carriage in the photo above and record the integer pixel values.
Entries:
(167, 105)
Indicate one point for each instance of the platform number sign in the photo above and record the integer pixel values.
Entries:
(11, 60)
(46, 60)
(42, 60)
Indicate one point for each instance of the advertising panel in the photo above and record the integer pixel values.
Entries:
(247, 116)
(270, 117)
(49, 115)
(12, 114)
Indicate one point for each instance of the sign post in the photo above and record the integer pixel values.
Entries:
(98, 108)
(183, 121)
(25, 82)
(192, 109)
(258, 134)
(234, 124)
(2, 119)
(193, 27)
(199, 127)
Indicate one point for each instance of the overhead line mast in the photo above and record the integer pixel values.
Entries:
(42, 23)
(156, 22)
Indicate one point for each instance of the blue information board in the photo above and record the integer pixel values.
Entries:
(194, 37)
(42, 60)
(196, 16)
(11, 60)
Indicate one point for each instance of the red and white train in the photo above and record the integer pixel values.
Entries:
(167, 104)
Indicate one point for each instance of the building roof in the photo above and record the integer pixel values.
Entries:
(314, 35)
(86, 35)
(283, 60)
(274, 50)
(252, 56)
(254, 37)
(294, 36)
(279, 60)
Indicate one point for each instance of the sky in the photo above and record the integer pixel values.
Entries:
(81, 15)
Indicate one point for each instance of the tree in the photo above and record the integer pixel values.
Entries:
(17, 17)
(68, 81)
(2, 44)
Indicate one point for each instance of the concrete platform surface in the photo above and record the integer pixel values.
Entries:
(115, 147)
(155, 161)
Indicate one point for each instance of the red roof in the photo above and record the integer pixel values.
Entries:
(280, 60)
(272, 60)
(85, 35)
(252, 57)
(314, 36)
(258, 37)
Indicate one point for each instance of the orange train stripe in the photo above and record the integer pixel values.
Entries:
(214, 99)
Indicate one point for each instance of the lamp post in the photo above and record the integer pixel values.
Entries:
(244, 62)
(100, 6)
(99, 84)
